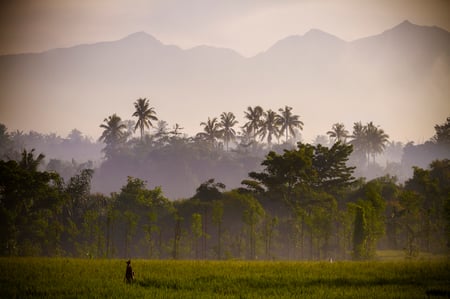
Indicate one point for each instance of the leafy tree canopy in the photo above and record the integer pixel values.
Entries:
(209, 190)
(303, 171)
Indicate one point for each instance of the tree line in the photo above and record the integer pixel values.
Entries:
(303, 204)
(368, 140)
(228, 150)
(225, 148)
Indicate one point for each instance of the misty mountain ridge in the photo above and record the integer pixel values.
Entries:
(142, 38)
(405, 68)
(312, 38)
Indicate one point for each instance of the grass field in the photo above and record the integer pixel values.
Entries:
(77, 278)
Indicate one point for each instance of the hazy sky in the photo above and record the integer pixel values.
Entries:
(248, 26)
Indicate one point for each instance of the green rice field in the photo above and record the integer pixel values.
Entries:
(78, 278)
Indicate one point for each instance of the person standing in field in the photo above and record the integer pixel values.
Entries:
(129, 274)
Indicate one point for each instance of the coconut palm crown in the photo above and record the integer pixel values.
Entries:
(145, 115)
(289, 122)
(114, 133)
(253, 115)
(269, 126)
(338, 133)
(227, 122)
(211, 130)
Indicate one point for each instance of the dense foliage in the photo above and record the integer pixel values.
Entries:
(302, 202)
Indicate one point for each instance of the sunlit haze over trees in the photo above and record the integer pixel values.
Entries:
(307, 146)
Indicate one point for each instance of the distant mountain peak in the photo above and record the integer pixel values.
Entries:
(314, 37)
(141, 36)
(319, 34)
(406, 29)
(316, 32)
(138, 34)
(407, 26)
(406, 23)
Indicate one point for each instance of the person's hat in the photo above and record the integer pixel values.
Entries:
(129, 261)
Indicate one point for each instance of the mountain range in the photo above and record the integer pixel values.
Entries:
(399, 79)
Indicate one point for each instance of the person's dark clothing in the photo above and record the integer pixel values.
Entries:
(129, 275)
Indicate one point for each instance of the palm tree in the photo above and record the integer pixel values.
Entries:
(358, 135)
(145, 115)
(376, 140)
(227, 122)
(368, 140)
(113, 134)
(338, 133)
(289, 121)
(359, 140)
(269, 126)
(254, 120)
(211, 130)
